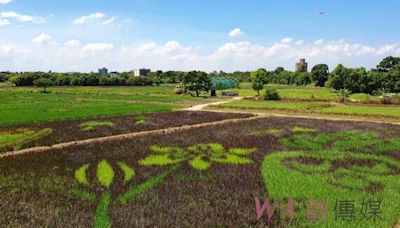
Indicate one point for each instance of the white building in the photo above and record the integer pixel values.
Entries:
(141, 72)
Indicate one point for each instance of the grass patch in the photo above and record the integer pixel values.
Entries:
(199, 163)
(91, 125)
(129, 173)
(140, 119)
(17, 139)
(105, 173)
(80, 175)
(298, 129)
(199, 157)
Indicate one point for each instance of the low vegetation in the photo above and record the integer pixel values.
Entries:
(16, 139)
(91, 125)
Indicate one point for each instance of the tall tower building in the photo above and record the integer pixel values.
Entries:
(302, 66)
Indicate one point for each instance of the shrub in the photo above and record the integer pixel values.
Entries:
(390, 98)
(271, 94)
(343, 95)
(43, 83)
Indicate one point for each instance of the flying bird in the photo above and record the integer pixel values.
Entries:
(321, 12)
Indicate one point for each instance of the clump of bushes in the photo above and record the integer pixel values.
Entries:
(343, 95)
(390, 98)
(272, 95)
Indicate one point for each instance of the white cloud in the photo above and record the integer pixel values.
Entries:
(321, 41)
(4, 22)
(287, 40)
(6, 48)
(97, 47)
(388, 48)
(173, 55)
(86, 18)
(43, 39)
(20, 17)
(5, 1)
(236, 32)
(10, 49)
(72, 43)
(299, 42)
(109, 21)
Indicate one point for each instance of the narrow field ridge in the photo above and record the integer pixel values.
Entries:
(123, 136)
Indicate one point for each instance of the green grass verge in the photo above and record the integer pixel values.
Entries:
(315, 107)
(306, 93)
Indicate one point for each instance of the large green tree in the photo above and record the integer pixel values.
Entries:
(197, 81)
(258, 80)
(320, 73)
(259, 74)
(43, 83)
(388, 63)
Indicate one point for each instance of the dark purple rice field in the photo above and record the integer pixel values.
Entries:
(198, 177)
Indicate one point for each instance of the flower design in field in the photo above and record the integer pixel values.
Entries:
(200, 156)
(105, 173)
(105, 176)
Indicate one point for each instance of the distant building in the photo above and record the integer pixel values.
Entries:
(103, 71)
(113, 74)
(141, 72)
(302, 66)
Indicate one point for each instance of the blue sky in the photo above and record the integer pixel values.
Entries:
(182, 35)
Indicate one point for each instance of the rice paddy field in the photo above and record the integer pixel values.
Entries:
(306, 93)
(210, 176)
(348, 110)
(29, 105)
(129, 157)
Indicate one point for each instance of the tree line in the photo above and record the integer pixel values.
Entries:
(385, 78)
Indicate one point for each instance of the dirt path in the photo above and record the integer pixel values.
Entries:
(201, 107)
(124, 136)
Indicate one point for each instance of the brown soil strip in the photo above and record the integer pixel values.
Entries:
(124, 136)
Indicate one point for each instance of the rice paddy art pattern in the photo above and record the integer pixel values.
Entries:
(198, 156)
(336, 166)
(14, 140)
